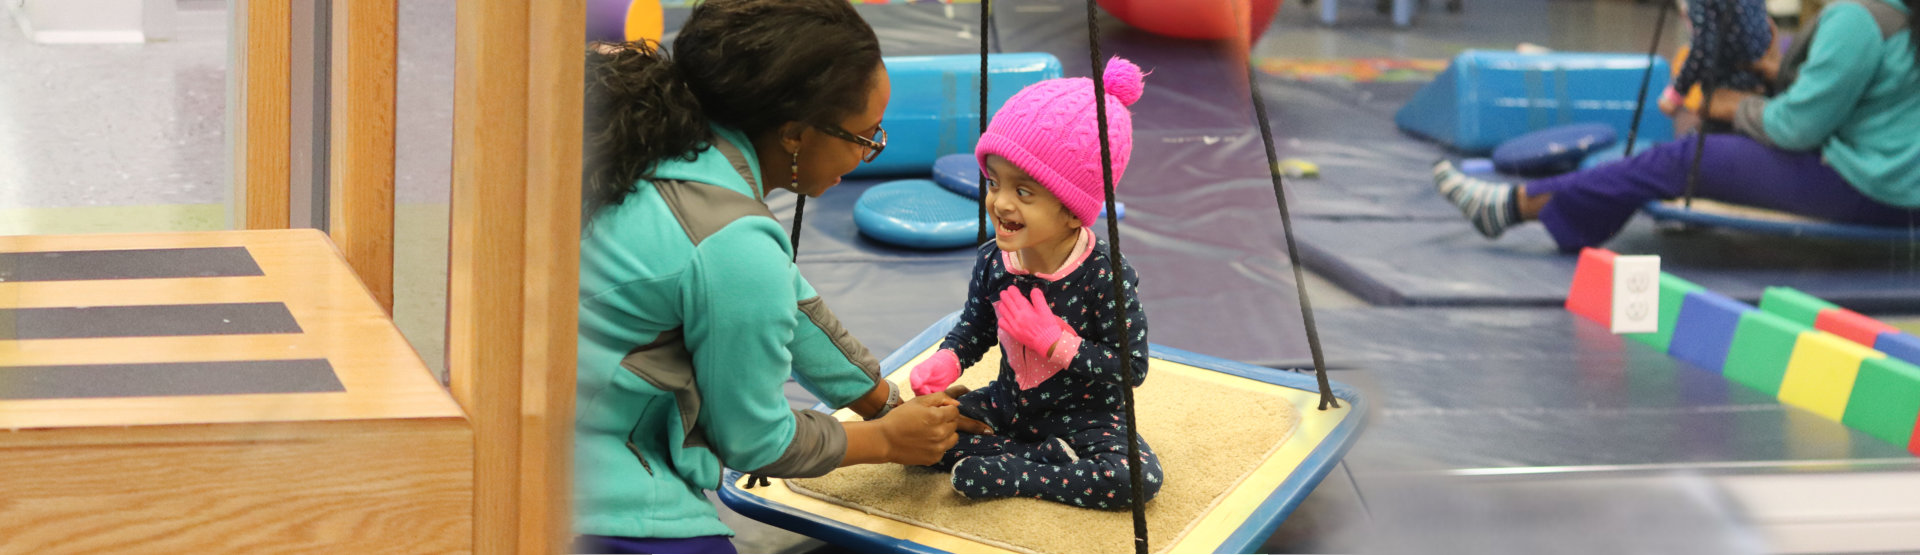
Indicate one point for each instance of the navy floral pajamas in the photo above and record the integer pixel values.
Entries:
(1728, 35)
(1065, 439)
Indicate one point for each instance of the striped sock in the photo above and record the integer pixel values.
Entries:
(1489, 205)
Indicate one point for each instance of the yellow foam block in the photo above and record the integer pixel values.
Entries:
(1821, 372)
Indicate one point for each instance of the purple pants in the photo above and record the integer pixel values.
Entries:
(1589, 207)
(616, 544)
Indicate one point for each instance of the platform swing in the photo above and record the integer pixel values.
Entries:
(1221, 496)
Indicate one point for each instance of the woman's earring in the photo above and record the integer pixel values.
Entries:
(796, 171)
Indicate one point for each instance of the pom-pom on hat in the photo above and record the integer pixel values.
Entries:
(1050, 130)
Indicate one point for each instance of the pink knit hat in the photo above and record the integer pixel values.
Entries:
(1050, 130)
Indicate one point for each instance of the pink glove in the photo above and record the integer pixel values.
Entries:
(1032, 323)
(936, 373)
(1036, 332)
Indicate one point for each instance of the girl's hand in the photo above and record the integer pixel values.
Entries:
(935, 373)
(1030, 322)
(1671, 102)
(1768, 65)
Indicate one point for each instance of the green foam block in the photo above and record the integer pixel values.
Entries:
(1793, 305)
(1762, 345)
(1886, 400)
(1673, 292)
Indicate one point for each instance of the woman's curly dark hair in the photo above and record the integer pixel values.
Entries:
(752, 65)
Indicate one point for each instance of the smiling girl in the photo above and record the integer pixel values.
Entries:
(1043, 290)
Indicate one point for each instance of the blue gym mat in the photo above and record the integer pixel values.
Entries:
(1448, 263)
(1363, 338)
(1512, 389)
(1369, 170)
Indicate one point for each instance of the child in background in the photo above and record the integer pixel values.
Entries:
(1043, 290)
(1728, 36)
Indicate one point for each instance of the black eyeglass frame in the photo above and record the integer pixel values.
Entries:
(873, 147)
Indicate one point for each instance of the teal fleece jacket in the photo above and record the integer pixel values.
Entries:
(748, 321)
(1856, 100)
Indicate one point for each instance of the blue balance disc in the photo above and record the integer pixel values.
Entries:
(1711, 217)
(1552, 150)
(916, 213)
(960, 173)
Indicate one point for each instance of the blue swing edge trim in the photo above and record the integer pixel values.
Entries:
(1853, 232)
(1246, 539)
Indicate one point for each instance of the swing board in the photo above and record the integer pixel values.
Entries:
(1218, 497)
(1756, 220)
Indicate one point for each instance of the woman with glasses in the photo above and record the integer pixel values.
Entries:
(692, 313)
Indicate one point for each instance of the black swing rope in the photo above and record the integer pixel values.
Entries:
(1706, 104)
(986, 22)
(1706, 109)
(1659, 28)
(1327, 400)
(1119, 290)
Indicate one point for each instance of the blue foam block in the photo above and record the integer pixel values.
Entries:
(1486, 97)
(916, 213)
(1704, 330)
(1552, 150)
(1476, 166)
(960, 173)
(935, 108)
(1898, 345)
(1796, 228)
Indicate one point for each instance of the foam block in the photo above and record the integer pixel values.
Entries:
(1793, 305)
(1762, 347)
(1821, 374)
(1900, 345)
(1486, 97)
(1854, 326)
(1886, 400)
(1591, 295)
(1673, 291)
(1704, 329)
(935, 109)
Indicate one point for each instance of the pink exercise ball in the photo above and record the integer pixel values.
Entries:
(1190, 19)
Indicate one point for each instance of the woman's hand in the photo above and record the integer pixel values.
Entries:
(921, 430)
(1726, 102)
(875, 401)
(965, 424)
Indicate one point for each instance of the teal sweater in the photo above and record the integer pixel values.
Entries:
(749, 320)
(1857, 101)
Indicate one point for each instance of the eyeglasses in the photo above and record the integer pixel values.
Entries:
(873, 145)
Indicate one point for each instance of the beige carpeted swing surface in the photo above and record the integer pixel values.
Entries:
(1211, 430)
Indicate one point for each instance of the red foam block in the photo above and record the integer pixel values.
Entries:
(1591, 296)
(1853, 326)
